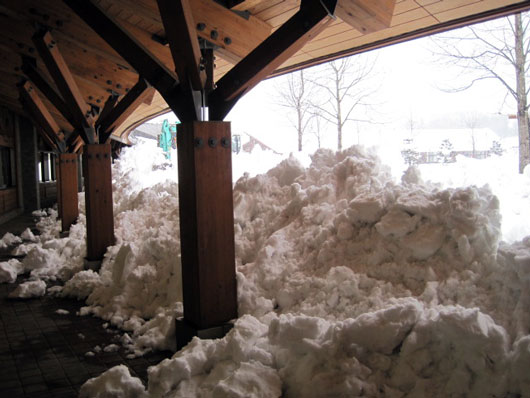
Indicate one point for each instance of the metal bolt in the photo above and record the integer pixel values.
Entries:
(212, 142)
(201, 26)
(214, 34)
(198, 142)
(227, 41)
(225, 142)
(97, 156)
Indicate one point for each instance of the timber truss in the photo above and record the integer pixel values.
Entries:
(191, 88)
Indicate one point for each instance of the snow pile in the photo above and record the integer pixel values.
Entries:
(350, 284)
(498, 172)
(8, 240)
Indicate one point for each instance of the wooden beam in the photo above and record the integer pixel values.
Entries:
(107, 108)
(39, 80)
(138, 56)
(42, 116)
(367, 16)
(124, 108)
(235, 36)
(58, 69)
(181, 35)
(312, 18)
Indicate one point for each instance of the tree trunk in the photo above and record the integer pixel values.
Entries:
(522, 111)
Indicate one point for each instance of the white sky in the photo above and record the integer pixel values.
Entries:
(409, 88)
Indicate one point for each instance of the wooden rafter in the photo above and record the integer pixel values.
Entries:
(181, 34)
(51, 131)
(39, 80)
(367, 16)
(234, 36)
(123, 109)
(139, 57)
(58, 69)
(108, 107)
(310, 20)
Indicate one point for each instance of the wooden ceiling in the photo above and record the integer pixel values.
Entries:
(234, 32)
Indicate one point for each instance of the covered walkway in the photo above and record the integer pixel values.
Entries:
(42, 352)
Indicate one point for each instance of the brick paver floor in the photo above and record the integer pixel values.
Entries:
(42, 352)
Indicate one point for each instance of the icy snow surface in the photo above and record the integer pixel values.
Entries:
(349, 284)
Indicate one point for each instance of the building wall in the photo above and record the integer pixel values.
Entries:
(9, 196)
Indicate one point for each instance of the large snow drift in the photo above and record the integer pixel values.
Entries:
(349, 284)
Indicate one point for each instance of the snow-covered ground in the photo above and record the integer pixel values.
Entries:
(350, 281)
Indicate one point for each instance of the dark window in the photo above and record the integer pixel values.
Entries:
(6, 168)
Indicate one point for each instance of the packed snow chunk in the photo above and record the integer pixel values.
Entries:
(8, 240)
(39, 213)
(158, 333)
(9, 270)
(453, 351)
(116, 382)
(28, 236)
(111, 348)
(366, 209)
(425, 241)
(29, 289)
(382, 331)
(60, 311)
(81, 285)
(287, 171)
(397, 223)
(249, 379)
(520, 365)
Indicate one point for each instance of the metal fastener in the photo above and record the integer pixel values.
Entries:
(225, 142)
(198, 142)
(212, 142)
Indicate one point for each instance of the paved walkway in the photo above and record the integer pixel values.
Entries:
(42, 352)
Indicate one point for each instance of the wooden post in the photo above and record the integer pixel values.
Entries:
(67, 189)
(206, 228)
(98, 198)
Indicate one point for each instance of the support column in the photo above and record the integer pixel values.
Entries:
(98, 198)
(206, 230)
(67, 189)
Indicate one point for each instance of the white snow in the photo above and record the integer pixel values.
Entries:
(29, 289)
(349, 283)
(8, 240)
(60, 311)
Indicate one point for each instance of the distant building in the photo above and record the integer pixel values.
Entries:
(443, 145)
(146, 130)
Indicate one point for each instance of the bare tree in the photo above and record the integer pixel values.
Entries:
(471, 122)
(496, 50)
(316, 126)
(295, 95)
(346, 92)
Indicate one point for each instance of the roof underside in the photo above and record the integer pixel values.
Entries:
(98, 70)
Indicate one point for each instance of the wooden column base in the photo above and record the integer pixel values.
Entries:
(206, 224)
(98, 198)
(67, 197)
(186, 332)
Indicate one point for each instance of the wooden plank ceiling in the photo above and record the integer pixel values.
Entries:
(99, 71)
